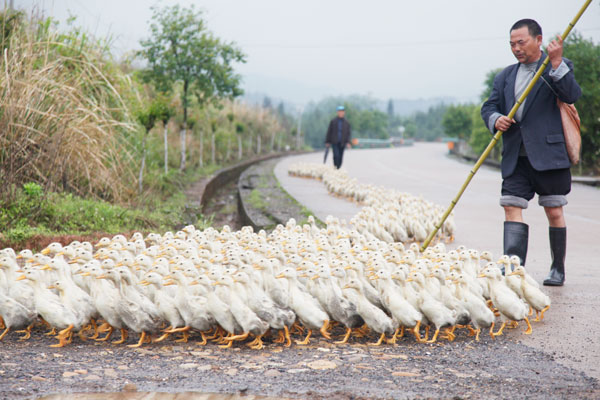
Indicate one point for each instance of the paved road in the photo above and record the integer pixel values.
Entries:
(570, 329)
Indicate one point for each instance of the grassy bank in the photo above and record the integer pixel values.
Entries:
(34, 218)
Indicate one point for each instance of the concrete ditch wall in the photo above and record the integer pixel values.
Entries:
(201, 194)
(226, 175)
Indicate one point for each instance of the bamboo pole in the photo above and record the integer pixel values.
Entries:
(498, 134)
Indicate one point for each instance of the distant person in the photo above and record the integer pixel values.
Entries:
(338, 136)
(534, 155)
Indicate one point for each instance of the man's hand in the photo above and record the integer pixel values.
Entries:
(348, 145)
(326, 144)
(555, 51)
(503, 123)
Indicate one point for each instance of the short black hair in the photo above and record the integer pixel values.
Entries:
(532, 26)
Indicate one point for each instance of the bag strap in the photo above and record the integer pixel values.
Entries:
(550, 86)
(558, 100)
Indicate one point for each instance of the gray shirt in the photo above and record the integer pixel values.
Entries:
(524, 75)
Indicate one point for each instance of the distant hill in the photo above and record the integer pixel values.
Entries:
(295, 94)
(406, 107)
(402, 107)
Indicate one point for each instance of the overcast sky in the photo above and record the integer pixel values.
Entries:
(306, 49)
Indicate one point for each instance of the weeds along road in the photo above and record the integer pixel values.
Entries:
(569, 332)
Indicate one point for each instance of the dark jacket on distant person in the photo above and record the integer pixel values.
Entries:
(332, 132)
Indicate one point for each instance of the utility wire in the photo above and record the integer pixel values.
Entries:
(379, 44)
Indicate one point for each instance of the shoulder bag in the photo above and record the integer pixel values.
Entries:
(571, 127)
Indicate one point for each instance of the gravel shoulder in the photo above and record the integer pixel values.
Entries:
(500, 368)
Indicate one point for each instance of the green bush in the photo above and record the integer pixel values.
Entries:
(33, 190)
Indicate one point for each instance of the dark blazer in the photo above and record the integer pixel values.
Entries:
(332, 132)
(540, 128)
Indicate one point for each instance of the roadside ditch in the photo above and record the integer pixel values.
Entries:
(245, 194)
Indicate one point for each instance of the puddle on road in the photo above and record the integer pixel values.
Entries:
(154, 396)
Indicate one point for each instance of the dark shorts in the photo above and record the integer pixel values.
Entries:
(552, 186)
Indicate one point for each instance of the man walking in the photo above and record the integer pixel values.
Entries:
(534, 155)
(338, 136)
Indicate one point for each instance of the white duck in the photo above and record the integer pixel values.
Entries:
(373, 316)
(307, 308)
(18, 291)
(510, 306)
(515, 261)
(449, 300)
(136, 310)
(72, 295)
(481, 315)
(106, 300)
(51, 308)
(264, 307)
(15, 315)
(185, 309)
(218, 310)
(402, 311)
(248, 320)
(165, 303)
(337, 306)
(536, 299)
(435, 311)
(513, 282)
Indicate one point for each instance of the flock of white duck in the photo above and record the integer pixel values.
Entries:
(227, 285)
(387, 214)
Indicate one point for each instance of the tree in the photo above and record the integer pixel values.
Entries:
(182, 50)
(428, 125)
(368, 123)
(489, 83)
(158, 110)
(457, 121)
(281, 109)
(586, 59)
(267, 103)
(480, 135)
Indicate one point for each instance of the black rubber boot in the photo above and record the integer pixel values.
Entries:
(516, 236)
(558, 250)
